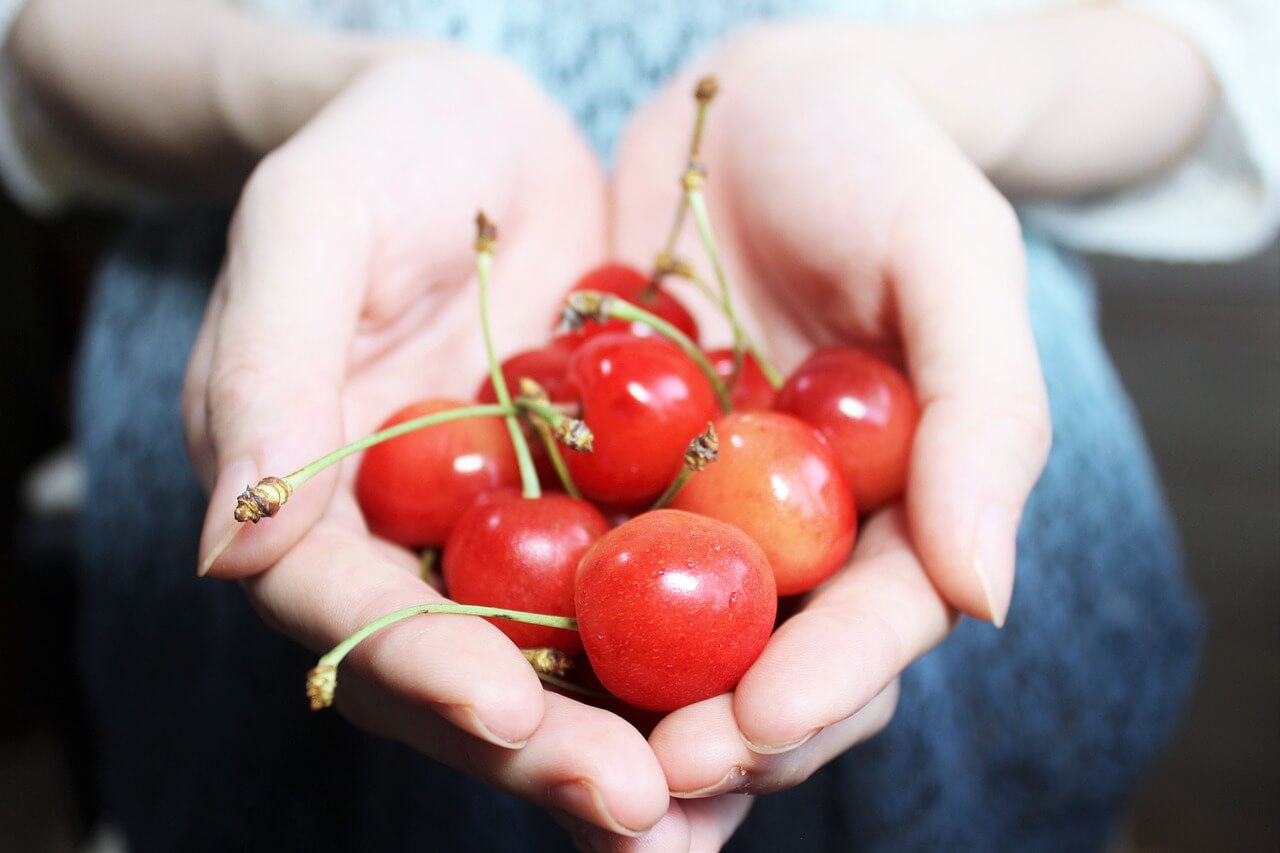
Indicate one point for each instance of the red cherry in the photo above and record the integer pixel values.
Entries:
(644, 400)
(777, 481)
(632, 286)
(673, 608)
(752, 391)
(413, 488)
(506, 551)
(546, 366)
(866, 409)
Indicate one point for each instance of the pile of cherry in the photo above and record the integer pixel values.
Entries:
(692, 493)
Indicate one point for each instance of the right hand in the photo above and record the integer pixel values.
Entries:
(347, 292)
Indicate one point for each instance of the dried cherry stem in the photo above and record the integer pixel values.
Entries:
(486, 237)
(265, 499)
(666, 261)
(694, 178)
(585, 305)
(702, 451)
(322, 681)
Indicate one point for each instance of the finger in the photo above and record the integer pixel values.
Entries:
(696, 825)
(335, 581)
(704, 755)
(195, 427)
(984, 433)
(582, 761)
(854, 636)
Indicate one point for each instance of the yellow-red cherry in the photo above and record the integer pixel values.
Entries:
(868, 412)
(413, 488)
(510, 551)
(777, 481)
(673, 608)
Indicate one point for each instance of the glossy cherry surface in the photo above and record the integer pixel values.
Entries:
(633, 286)
(545, 365)
(868, 412)
(752, 391)
(776, 480)
(673, 608)
(509, 551)
(413, 488)
(644, 400)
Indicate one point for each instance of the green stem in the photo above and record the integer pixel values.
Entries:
(771, 373)
(557, 459)
(673, 488)
(297, 478)
(322, 681)
(619, 309)
(528, 473)
(703, 94)
(698, 205)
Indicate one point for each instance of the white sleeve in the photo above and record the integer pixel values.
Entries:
(1223, 200)
(41, 166)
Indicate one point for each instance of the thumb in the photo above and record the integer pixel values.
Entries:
(291, 291)
(984, 432)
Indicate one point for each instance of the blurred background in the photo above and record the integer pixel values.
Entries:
(1198, 347)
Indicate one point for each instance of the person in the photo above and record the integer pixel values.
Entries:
(860, 173)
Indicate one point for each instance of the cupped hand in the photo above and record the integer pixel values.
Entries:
(844, 213)
(348, 292)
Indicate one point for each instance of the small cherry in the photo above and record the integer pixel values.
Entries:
(507, 551)
(751, 391)
(868, 412)
(673, 608)
(777, 481)
(644, 400)
(631, 285)
(413, 489)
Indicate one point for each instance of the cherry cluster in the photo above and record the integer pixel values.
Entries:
(696, 487)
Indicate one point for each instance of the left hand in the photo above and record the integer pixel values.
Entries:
(845, 213)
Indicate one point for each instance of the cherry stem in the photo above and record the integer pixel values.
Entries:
(702, 451)
(569, 686)
(322, 681)
(486, 237)
(705, 91)
(596, 305)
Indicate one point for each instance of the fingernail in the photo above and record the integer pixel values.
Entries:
(767, 749)
(737, 779)
(239, 475)
(466, 718)
(582, 799)
(994, 549)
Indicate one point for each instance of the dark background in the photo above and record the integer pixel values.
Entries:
(1198, 347)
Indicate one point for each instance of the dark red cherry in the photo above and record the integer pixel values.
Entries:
(508, 551)
(673, 608)
(633, 286)
(413, 488)
(644, 400)
(776, 480)
(752, 391)
(868, 412)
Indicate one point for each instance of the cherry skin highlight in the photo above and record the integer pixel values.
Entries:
(868, 412)
(632, 286)
(778, 482)
(413, 488)
(508, 551)
(644, 401)
(752, 391)
(673, 608)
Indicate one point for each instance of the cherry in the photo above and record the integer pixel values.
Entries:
(673, 608)
(644, 400)
(777, 481)
(506, 551)
(632, 286)
(545, 365)
(413, 489)
(866, 409)
(752, 391)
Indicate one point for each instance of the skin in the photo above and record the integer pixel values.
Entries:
(860, 169)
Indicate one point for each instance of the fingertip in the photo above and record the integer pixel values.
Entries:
(220, 528)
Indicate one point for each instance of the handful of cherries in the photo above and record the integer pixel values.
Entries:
(696, 489)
